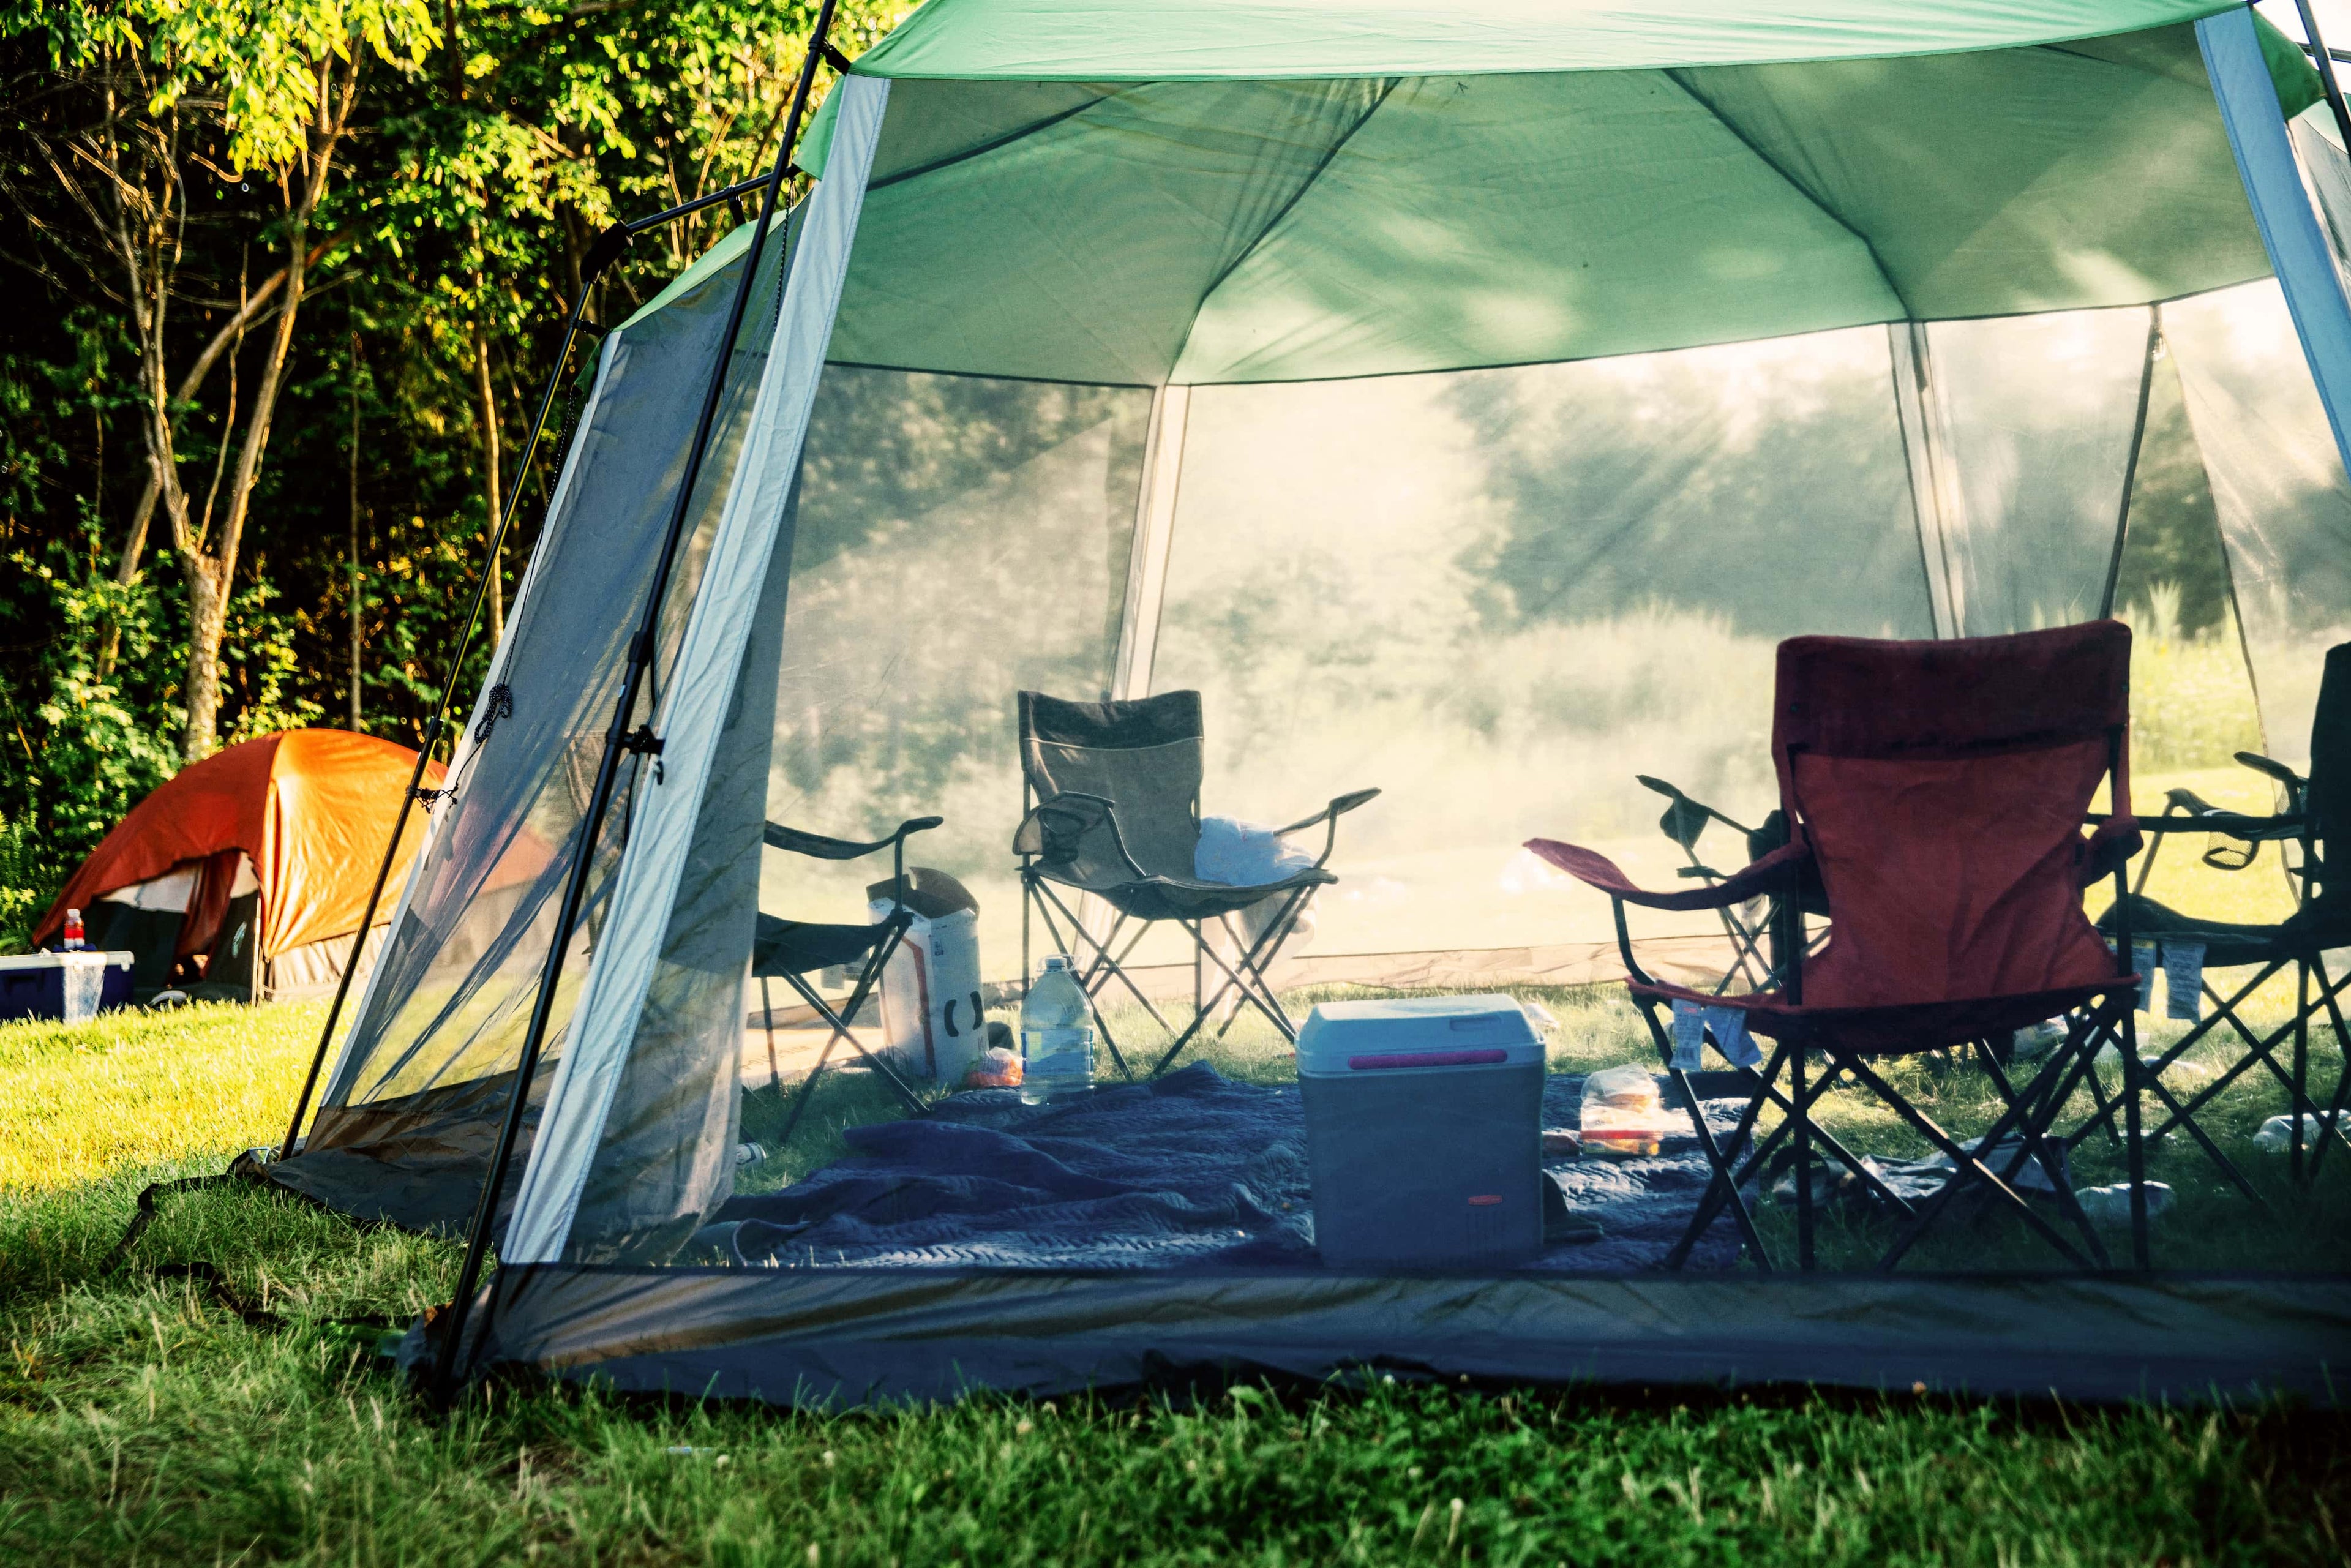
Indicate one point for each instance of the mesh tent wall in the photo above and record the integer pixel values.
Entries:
(1465, 402)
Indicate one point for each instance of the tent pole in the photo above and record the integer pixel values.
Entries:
(599, 256)
(2130, 460)
(1914, 410)
(618, 738)
(2326, 63)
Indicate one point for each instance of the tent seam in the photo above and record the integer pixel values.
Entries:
(1314, 178)
(1884, 272)
(985, 148)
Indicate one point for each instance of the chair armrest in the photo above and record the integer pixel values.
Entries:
(2275, 769)
(1774, 873)
(1684, 819)
(822, 848)
(2230, 824)
(2110, 847)
(1058, 831)
(1340, 806)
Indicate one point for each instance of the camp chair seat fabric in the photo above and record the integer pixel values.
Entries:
(796, 948)
(1181, 898)
(2230, 945)
(1899, 1031)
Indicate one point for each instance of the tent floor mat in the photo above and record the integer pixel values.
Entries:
(847, 1337)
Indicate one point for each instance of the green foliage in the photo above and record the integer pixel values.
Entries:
(2174, 543)
(2192, 699)
(90, 745)
(261, 61)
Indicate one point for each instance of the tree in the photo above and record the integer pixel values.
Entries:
(153, 100)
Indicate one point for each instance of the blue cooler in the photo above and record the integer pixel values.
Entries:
(66, 987)
(1424, 1132)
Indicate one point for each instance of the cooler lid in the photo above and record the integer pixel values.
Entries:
(1416, 1031)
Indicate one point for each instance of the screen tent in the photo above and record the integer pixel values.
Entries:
(1466, 406)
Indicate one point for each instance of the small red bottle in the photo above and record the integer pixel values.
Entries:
(74, 942)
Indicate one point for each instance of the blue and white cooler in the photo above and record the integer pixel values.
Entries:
(1424, 1132)
(63, 986)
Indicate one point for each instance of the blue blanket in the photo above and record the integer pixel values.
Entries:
(1192, 1168)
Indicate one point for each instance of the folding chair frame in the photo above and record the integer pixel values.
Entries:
(1248, 981)
(2184, 812)
(2029, 1116)
(877, 961)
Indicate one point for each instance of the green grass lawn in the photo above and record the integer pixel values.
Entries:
(140, 1421)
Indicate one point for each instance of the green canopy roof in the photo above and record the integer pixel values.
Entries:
(1160, 40)
(1134, 192)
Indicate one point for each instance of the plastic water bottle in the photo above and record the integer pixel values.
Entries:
(75, 936)
(1057, 1036)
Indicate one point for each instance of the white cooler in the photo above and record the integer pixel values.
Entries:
(1424, 1132)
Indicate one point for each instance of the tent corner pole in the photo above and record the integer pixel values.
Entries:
(617, 740)
(2325, 64)
(2130, 460)
(439, 716)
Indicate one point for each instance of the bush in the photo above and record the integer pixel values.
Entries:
(94, 747)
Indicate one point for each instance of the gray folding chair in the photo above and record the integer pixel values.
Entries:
(1112, 808)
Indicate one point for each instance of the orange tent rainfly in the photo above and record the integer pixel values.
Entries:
(265, 850)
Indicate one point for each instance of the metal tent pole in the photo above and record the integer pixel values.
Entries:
(2325, 64)
(2130, 460)
(606, 249)
(618, 740)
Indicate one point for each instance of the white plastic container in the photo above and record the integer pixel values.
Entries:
(933, 1014)
(1424, 1132)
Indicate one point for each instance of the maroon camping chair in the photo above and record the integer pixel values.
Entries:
(1937, 791)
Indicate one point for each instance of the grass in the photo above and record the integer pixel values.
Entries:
(140, 1422)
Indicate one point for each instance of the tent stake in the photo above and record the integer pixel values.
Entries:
(641, 656)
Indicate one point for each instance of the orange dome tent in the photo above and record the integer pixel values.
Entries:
(263, 850)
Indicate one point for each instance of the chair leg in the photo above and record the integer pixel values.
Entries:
(2035, 1145)
(801, 1100)
(1233, 981)
(1806, 1255)
(2300, 1095)
(1724, 1180)
(2331, 1128)
(1125, 979)
(1256, 963)
(1966, 1168)
(1758, 1163)
(2133, 1142)
(840, 1029)
(2259, 1050)
(767, 1018)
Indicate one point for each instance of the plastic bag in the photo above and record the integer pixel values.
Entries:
(1622, 1113)
(2110, 1204)
(2276, 1136)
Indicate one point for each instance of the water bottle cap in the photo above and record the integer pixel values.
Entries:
(1059, 961)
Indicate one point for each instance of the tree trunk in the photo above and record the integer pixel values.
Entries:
(491, 511)
(355, 533)
(210, 564)
(256, 310)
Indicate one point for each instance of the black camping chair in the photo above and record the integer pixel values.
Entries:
(795, 949)
(1752, 963)
(2317, 818)
(1111, 798)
